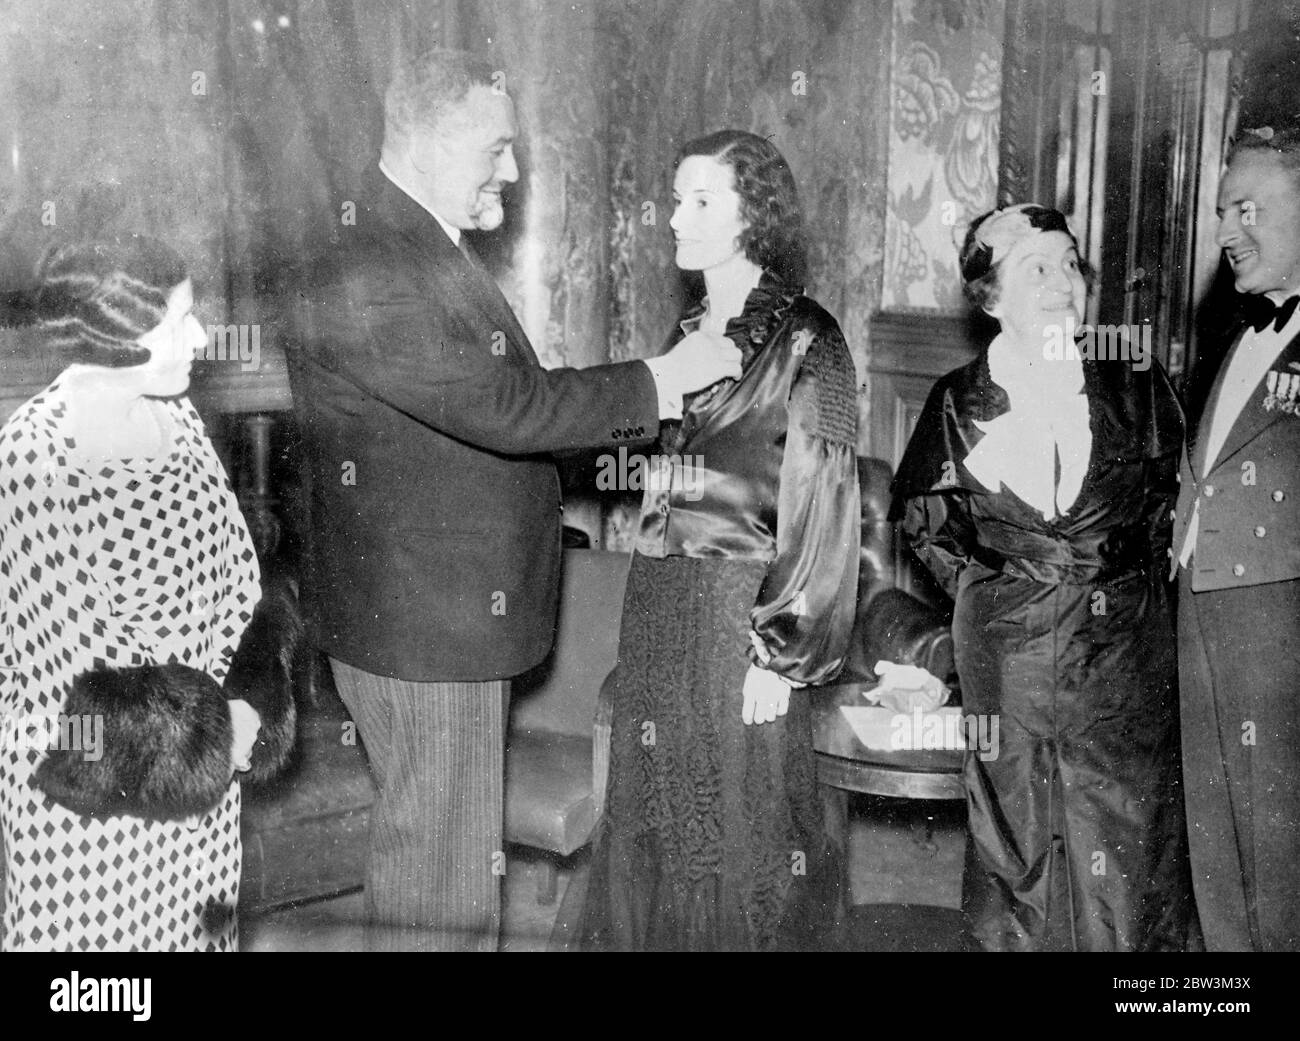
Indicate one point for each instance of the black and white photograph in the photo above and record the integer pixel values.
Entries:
(651, 476)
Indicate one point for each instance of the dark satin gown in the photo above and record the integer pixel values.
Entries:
(1063, 633)
(713, 835)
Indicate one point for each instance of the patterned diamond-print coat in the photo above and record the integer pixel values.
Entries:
(138, 563)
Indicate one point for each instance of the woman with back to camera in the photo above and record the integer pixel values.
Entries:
(741, 592)
(129, 578)
(1037, 487)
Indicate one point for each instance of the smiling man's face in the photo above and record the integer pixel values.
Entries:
(467, 160)
(1259, 223)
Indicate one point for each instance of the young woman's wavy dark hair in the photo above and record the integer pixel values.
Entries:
(769, 202)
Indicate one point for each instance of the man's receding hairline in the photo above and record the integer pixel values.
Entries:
(458, 112)
(1288, 161)
(1256, 152)
(411, 79)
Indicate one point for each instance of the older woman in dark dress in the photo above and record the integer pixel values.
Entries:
(1037, 487)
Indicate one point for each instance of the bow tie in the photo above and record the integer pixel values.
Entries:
(1261, 312)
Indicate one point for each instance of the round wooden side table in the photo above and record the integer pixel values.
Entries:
(845, 762)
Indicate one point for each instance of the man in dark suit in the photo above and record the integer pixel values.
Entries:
(1237, 554)
(434, 557)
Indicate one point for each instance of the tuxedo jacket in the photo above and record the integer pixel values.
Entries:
(427, 423)
(1249, 502)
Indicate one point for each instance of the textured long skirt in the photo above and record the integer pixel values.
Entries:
(713, 836)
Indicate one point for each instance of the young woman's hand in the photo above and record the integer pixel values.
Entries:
(767, 696)
(245, 722)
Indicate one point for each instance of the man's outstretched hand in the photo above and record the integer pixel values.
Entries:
(698, 361)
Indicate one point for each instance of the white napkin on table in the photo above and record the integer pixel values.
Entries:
(903, 688)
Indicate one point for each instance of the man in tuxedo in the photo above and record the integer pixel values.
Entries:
(434, 551)
(1237, 555)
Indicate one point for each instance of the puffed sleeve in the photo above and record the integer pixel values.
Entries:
(931, 492)
(938, 529)
(803, 616)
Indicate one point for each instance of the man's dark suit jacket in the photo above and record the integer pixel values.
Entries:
(1248, 529)
(434, 552)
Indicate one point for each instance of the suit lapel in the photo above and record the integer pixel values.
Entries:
(481, 289)
(457, 278)
(1254, 418)
(1200, 434)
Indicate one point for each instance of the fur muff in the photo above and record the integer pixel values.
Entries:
(262, 672)
(167, 732)
(166, 747)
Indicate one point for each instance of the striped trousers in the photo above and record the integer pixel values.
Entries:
(437, 754)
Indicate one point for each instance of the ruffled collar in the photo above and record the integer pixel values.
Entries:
(752, 329)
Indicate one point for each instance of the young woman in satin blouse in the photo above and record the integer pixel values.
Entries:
(1037, 487)
(741, 593)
